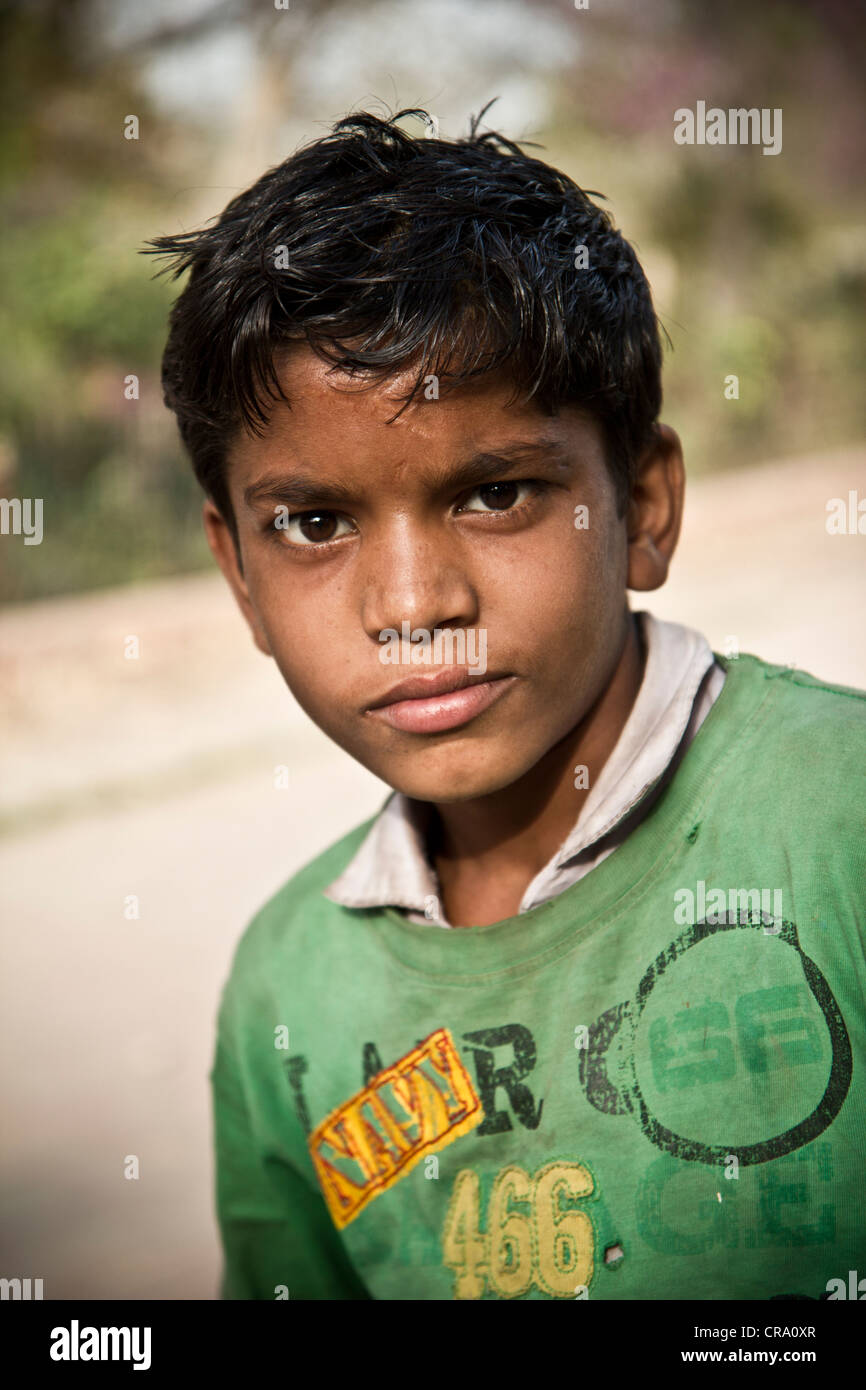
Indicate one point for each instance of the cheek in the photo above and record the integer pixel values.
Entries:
(313, 671)
(565, 590)
(301, 624)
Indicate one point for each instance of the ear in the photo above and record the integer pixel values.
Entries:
(225, 552)
(655, 511)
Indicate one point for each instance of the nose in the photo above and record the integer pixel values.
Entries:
(415, 576)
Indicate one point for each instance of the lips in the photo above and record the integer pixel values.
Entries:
(433, 683)
(439, 701)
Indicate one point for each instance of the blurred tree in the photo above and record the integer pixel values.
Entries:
(762, 270)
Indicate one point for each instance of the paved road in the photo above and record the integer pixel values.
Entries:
(154, 777)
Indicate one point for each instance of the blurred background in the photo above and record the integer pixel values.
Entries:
(142, 820)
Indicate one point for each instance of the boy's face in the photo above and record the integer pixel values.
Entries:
(458, 515)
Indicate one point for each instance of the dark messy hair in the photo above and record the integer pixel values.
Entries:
(380, 250)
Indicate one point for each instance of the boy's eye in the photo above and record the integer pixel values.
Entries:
(498, 497)
(315, 528)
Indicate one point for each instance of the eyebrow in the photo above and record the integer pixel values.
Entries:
(299, 490)
(296, 490)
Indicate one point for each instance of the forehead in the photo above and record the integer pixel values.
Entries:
(338, 422)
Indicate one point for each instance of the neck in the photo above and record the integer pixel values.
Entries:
(487, 851)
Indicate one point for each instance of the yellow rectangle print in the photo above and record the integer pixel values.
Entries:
(423, 1102)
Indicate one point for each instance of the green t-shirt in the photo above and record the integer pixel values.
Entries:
(650, 1087)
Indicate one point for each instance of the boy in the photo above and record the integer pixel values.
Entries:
(578, 1014)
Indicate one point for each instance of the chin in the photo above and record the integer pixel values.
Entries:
(453, 783)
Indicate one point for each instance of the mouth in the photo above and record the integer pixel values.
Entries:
(429, 704)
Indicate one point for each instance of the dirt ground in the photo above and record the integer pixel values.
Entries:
(154, 778)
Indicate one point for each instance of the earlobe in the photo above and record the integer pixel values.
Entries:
(225, 552)
(655, 511)
(647, 566)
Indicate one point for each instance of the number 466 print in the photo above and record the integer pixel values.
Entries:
(529, 1238)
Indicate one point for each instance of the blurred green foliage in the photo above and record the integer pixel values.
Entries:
(763, 257)
(757, 266)
(80, 313)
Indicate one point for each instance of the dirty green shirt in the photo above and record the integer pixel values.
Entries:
(650, 1087)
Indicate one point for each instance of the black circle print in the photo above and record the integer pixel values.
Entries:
(608, 1098)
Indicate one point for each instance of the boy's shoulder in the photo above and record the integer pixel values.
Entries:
(806, 701)
(808, 735)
